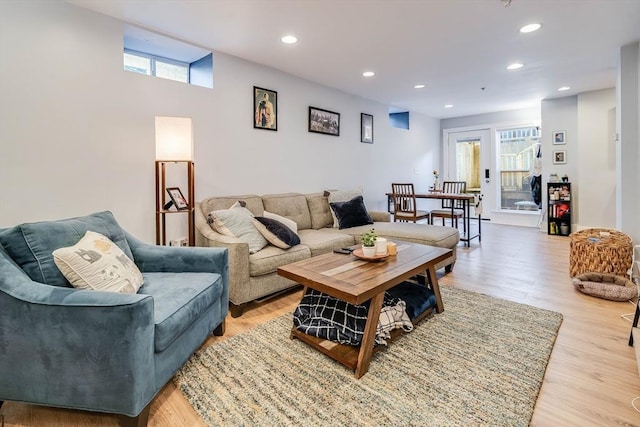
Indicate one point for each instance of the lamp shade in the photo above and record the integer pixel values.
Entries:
(174, 138)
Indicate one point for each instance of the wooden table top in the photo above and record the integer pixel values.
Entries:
(354, 280)
(441, 195)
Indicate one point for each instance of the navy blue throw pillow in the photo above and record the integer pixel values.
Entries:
(276, 232)
(352, 213)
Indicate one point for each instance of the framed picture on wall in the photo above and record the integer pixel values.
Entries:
(559, 137)
(324, 121)
(265, 108)
(559, 157)
(366, 128)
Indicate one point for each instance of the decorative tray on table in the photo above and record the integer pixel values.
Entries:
(379, 257)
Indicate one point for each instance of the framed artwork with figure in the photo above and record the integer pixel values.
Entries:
(559, 137)
(559, 157)
(177, 198)
(265, 108)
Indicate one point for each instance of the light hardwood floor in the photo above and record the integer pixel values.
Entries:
(591, 377)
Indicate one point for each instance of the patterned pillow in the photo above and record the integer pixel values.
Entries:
(96, 263)
(238, 222)
(276, 232)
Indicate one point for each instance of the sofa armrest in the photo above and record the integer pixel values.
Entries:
(58, 344)
(176, 259)
(378, 216)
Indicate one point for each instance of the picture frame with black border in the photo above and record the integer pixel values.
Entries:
(559, 137)
(366, 128)
(324, 121)
(559, 157)
(265, 108)
(178, 198)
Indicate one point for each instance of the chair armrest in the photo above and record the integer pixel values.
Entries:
(57, 343)
(175, 259)
(378, 216)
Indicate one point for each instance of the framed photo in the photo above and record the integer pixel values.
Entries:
(265, 108)
(366, 128)
(324, 121)
(559, 137)
(177, 198)
(559, 157)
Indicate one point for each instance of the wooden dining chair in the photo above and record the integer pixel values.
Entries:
(404, 204)
(451, 187)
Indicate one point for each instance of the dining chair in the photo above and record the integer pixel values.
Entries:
(404, 204)
(451, 187)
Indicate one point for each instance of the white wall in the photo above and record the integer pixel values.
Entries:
(628, 145)
(595, 149)
(77, 132)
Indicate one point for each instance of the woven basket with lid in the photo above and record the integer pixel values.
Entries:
(593, 250)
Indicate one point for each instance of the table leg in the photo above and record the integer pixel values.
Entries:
(433, 279)
(366, 346)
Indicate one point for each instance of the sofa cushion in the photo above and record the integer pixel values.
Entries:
(179, 299)
(319, 210)
(425, 234)
(290, 205)
(270, 258)
(276, 232)
(351, 213)
(96, 263)
(31, 245)
(252, 202)
(341, 196)
(325, 240)
(238, 222)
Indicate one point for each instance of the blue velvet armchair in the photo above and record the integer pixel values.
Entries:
(102, 351)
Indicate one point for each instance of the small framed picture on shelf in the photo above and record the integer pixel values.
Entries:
(177, 198)
(559, 157)
(366, 128)
(559, 137)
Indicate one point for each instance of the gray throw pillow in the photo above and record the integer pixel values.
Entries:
(238, 222)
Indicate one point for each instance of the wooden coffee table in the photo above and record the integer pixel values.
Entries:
(355, 281)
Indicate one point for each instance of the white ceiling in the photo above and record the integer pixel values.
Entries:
(455, 47)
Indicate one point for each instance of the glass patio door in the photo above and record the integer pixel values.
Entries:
(468, 158)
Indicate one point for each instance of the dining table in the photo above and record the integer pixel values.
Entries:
(466, 198)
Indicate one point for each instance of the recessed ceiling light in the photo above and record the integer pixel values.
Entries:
(563, 88)
(448, 106)
(420, 86)
(530, 28)
(289, 39)
(515, 66)
(368, 74)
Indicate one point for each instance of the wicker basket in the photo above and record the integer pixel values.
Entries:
(592, 251)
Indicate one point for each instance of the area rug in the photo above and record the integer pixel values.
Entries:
(480, 362)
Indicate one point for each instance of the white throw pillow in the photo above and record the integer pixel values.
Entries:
(341, 196)
(238, 222)
(96, 263)
(286, 221)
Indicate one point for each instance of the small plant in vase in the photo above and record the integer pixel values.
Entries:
(369, 243)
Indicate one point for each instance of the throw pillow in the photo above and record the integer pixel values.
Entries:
(238, 222)
(96, 263)
(352, 213)
(276, 232)
(341, 196)
(286, 221)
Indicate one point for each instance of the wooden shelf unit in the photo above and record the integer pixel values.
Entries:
(162, 198)
(559, 208)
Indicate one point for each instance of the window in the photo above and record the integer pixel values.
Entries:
(143, 63)
(399, 120)
(155, 55)
(517, 149)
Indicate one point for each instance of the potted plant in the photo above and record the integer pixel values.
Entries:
(369, 243)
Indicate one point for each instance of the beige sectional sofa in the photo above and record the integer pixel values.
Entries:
(254, 276)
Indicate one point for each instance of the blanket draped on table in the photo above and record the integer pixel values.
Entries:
(326, 317)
